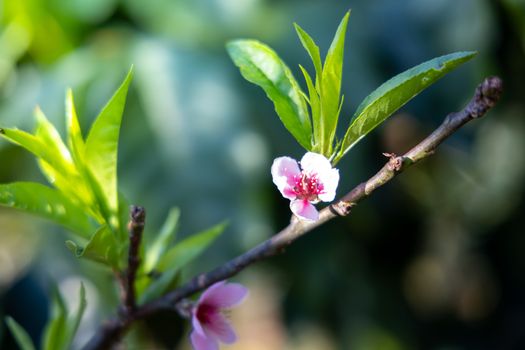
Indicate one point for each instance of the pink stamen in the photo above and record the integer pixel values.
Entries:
(307, 186)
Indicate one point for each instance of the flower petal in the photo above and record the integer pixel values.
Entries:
(224, 295)
(210, 291)
(304, 210)
(315, 163)
(219, 327)
(203, 342)
(284, 169)
(329, 180)
(197, 327)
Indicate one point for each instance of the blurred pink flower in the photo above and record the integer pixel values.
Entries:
(317, 181)
(209, 323)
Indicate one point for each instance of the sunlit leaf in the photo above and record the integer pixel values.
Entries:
(312, 49)
(69, 183)
(187, 250)
(101, 149)
(50, 136)
(260, 65)
(74, 133)
(394, 93)
(38, 147)
(46, 202)
(22, 338)
(331, 87)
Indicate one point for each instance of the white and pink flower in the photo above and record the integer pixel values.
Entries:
(317, 181)
(209, 323)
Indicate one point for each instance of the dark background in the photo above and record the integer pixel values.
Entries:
(433, 260)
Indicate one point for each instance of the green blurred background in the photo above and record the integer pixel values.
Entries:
(434, 260)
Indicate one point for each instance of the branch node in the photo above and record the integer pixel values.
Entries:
(342, 208)
(487, 95)
(395, 163)
(185, 308)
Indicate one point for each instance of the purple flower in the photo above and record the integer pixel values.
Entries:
(209, 323)
(317, 181)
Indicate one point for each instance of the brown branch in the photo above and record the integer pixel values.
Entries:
(485, 97)
(135, 229)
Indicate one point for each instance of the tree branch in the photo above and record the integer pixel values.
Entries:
(135, 229)
(486, 96)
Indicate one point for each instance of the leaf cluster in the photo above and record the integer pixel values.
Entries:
(312, 117)
(84, 198)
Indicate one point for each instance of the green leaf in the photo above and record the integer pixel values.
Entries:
(74, 133)
(69, 183)
(53, 158)
(394, 93)
(260, 65)
(46, 202)
(170, 264)
(47, 133)
(315, 105)
(162, 241)
(62, 327)
(123, 217)
(312, 49)
(167, 281)
(38, 147)
(55, 338)
(102, 247)
(101, 150)
(22, 338)
(77, 317)
(331, 87)
(189, 249)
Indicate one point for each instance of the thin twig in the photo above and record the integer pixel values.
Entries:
(135, 229)
(486, 96)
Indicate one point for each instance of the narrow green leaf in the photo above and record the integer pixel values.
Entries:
(46, 202)
(331, 86)
(22, 338)
(260, 65)
(162, 241)
(315, 106)
(55, 338)
(312, 49)
(69, 183)
(38, 147)
(102, 247)
(74, 133)
(167, 281)
(62, 327)
(189, 249)
(77, 317)
(50, 137)
(102, 146)
(394, 93)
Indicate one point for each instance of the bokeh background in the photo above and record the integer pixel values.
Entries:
(434, 260)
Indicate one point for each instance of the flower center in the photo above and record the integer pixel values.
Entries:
(204, 313)
(307, 186)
